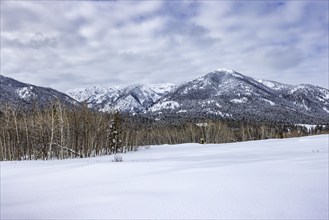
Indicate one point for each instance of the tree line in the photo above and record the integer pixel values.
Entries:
(60, 132)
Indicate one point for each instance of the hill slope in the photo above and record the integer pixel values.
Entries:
(23, 95)
(226, 93)
(135, 98)
(219, 94)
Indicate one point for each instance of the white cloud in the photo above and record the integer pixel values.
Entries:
(77, 44)
(276, 45)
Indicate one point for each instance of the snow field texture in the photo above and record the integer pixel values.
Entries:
(269, 179)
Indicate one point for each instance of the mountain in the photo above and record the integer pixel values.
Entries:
(22, 95)
(219, 94)
(136, 98)
(226, 93)
(162, 88)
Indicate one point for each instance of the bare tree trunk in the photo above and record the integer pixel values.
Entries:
(52, 129)
(17, 135)
(27, 138)
(61, 127)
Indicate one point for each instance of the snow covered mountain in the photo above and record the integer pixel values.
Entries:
(136, 98)
(23, 95)
(162, 88)
(226, 93)
(222, 93)
(219, 94)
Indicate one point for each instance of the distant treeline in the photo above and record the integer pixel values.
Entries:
(58, 132)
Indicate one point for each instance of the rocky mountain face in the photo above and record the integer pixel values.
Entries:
(22, 95)
(219, 94)
(136, 98)
(222, 93)
(226, 93)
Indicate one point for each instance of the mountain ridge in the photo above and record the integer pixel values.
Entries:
(24, 95)
(219, 94)
(229, 94)
(133, 98)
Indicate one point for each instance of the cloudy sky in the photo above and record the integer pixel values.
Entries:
(76, 44)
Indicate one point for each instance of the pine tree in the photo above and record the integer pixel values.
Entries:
(115, 141)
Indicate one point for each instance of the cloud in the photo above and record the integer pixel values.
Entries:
(67, 44)
(39, 41)
(271, 39)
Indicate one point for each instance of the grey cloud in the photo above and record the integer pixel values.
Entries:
(178, 31)
(283, 58)
(12, 43)
(14, 16)
(127, 42)
(39, 41)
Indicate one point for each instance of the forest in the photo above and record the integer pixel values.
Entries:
(60, 132)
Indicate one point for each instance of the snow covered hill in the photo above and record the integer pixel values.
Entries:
(269, 179)
(162, 88)
(23, 95)
(136, 98)
(226, 93)
(219, 94)
(222, 93)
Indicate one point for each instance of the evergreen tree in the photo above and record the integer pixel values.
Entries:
(115, 141)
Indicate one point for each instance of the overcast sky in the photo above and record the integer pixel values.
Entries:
(77, 44)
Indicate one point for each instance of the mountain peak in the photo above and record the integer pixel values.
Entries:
(221, 93)
(221, 75)
(226, 93)
(162, 88)
(25, 96)
(229, 71)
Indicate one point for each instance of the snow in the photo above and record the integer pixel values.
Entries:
(242, 100)
(237, 75)
(218, 105)
(296, 88)
(269, 102)
(324, 94)
(130, 98)
(202, 124)
(182, 111)
(208, 102)
(202, 84)
(165, 105)
(270, 179)
(307, 126)
(97, 93)
(162, 88)
(301, 87)
(267, 83)
(327, 95)
(25, 93)
(142, 93)
(225, 70)
(325, 109)
(305, 106)
(273, 85)
(302, 105)
(126, 104)
(218, 113)
(320, 99)
(230, 72)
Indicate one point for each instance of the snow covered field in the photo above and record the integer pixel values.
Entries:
(280, 179)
